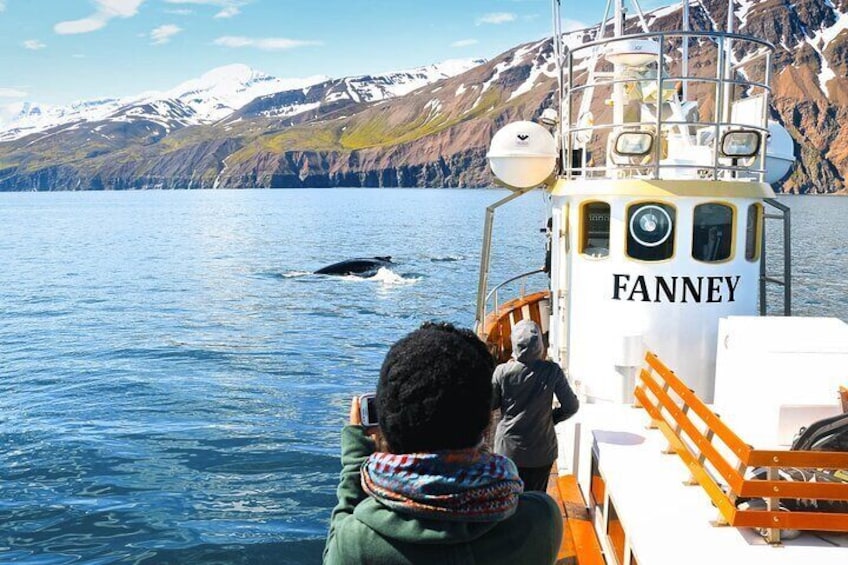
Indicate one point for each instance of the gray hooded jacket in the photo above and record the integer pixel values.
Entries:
(523, 390)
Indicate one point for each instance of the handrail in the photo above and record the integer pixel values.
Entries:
(786, 282)
(515, 278)
(726, 81)
(677, 33)
(494, 291)
(669, 402)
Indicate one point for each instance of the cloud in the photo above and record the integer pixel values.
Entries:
(496, 18)
(228, 8)
(2, 5)
(11, 92)
(228, 12)
(106, 10)
(164, 33)
(33, 44)
(264, 43)
(464, 43)
(180, 12)
(85, 25)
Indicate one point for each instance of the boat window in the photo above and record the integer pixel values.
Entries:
(712, 233)
(595, 229)
(650, 233)
(752, 233)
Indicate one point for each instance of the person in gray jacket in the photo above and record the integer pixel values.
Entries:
(524, 388)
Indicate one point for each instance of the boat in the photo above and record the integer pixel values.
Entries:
(659, 303)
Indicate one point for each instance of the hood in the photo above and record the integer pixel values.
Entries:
(526, 342)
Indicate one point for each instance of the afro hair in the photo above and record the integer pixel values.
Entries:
(435, 390)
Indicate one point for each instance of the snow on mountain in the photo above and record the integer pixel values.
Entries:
(372, 88)
(352, 90)
(216, 95)
(23, 118)
(222, 91)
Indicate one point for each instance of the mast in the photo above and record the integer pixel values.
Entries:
(686, 49)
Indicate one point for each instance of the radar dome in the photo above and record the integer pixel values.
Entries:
(633, 52)
(522, 154)
(780, 152)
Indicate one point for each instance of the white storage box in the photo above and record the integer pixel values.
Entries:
(774, 373)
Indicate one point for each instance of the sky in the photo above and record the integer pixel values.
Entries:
(59, 51)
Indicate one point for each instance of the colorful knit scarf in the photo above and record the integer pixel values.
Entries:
(467, 485)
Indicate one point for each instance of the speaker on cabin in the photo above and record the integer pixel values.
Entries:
(522, 154)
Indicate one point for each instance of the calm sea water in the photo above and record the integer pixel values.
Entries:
(172, 380)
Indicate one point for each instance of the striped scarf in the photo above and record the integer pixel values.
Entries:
(467, 485)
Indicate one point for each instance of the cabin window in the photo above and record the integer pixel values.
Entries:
(712, 233)
(650, 231)
(595, 230)
(752, 233)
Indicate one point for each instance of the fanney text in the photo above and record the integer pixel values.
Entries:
(674, 289)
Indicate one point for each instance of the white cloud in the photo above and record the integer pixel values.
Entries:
(2, 5)
(164, 33)
(228, 12)
(12, 93)
(496, 18)
(33, 44)
(264, 43)
(180, 12)
(228, 8)
(119, 8)
(84, 25)
(106, 10)
(464, 43)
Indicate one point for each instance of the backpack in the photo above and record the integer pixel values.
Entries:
(827, 434)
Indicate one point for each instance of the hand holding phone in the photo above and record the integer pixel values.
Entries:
(368, 410)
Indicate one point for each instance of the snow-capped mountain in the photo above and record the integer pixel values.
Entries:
(214, 96)
(336, 93)
(404, 129)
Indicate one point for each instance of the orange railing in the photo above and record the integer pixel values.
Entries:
(719, 460)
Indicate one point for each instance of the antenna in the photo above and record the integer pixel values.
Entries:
(558, 55)
(686, 49)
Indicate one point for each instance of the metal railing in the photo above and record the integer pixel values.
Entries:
(765, 278)
(722, 84)
(494, 291)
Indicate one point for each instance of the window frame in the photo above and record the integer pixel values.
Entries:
(672, 236)
(758, 234)
(583, 241)
(734, 215)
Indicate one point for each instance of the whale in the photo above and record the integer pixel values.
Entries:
(357, 266)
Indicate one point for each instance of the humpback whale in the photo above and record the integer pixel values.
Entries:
(358, 266)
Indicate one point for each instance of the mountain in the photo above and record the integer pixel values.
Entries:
(426, 127)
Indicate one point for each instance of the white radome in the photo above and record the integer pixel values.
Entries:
(780, 152)
(633, 52)
(522, 154)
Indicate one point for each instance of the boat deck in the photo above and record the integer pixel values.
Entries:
(661, 519)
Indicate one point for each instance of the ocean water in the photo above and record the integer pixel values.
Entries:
(173, 378)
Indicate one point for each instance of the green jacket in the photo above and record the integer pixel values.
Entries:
(364, 531)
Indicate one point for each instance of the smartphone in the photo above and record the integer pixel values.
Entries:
(368, 409)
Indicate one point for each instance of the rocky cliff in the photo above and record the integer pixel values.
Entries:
(341, 133)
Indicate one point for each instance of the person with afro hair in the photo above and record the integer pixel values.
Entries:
(432, 492)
